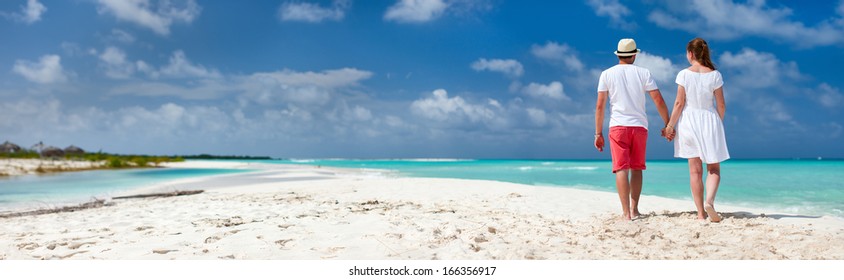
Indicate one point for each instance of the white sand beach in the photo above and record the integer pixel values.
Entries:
(311, 213)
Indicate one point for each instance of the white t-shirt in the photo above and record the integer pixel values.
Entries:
(627, 85)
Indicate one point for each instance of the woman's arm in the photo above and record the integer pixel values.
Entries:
(720, 104)
(679, 103)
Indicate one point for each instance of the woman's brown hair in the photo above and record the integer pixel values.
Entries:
(700, 50)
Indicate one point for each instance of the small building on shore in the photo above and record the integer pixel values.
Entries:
(9, 148)
(52, 152)
(74, 151)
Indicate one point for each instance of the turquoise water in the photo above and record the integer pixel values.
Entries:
(74, 187)
(809, 187)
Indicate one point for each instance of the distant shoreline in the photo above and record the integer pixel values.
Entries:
(17, 167)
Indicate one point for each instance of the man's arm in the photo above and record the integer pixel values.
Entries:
(599, 120)
(660, 104)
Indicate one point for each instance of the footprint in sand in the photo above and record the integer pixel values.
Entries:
(143, 228)
(76, 245)
(285, 226)
(283, 242)
(163, 251)
(227, 222)
(219, 236)
(332, 251)
(394, 235)
(57, 257)
(28, 246)
(481, 239)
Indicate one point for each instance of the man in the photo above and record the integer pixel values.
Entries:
(626, 84)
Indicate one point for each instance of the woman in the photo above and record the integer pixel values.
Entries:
(698, 114)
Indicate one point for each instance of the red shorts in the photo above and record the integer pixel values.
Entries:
(627, 145)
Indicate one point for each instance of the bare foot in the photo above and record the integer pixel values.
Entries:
(701, 216)
(713, 216)
(635, 214)
(625, 217)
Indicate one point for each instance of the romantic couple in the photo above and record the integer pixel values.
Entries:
(695, 124)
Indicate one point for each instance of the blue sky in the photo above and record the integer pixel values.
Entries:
(408, 78)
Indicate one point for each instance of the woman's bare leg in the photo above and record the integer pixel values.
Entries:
(713, 179)
(696, 183)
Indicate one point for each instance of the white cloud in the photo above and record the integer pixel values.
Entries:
(146, 68)
(196, 90)
(537, 116)
(415, 11)
(308, 12)
(29, 14)
(359, 113)
(756, 70)
(142, 13)
(47, 70)
(265, 88)
(509, 67)
(121, 36)
(725, 19)
(768, 109)
(556, 53)
(441, 108)
(829, 96)
(614, 10)
(17, 116)
(303, 88)
(757, 81)
(840, 9)
(71, 49)
(181, 67)
(179, 128)
(116, 65)
(553, 91)
(662, 69)
(329, 79)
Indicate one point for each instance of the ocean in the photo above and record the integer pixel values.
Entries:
(56, 189)
(804, 186)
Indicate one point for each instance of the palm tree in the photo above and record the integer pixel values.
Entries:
(38, 147)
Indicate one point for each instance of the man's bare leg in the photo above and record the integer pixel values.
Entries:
(635, 192)
(623, 186)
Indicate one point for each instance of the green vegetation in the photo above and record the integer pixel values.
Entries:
(21, 154)
(112, 160)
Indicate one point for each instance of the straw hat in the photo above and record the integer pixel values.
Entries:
(627, 47)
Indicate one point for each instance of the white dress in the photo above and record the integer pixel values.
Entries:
(700, 131)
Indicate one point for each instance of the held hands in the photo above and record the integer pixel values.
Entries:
(669, 133)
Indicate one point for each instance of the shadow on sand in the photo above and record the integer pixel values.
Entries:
(748, 215)
(726, 215)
